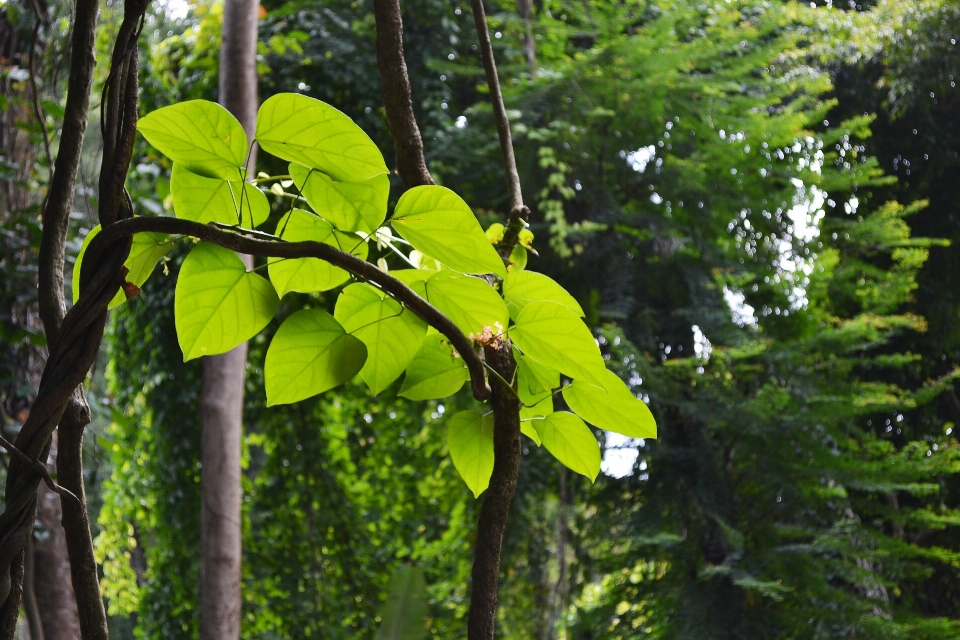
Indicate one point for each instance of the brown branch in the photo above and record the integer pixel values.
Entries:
(40, 468)
(519, 213)
(496, 503)
(33, 89)
(281, 249)
(397, 100)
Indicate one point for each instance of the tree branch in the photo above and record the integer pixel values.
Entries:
(519, 213)
(282, 249)
(397, 99)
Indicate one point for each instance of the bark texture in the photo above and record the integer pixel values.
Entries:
(481, 622)
(397, 98)
(223, 375)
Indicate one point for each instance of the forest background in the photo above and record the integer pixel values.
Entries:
(754, 202)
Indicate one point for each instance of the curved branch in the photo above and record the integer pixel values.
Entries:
(281, 249)
(395, 84)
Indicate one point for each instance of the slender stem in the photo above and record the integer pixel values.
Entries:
(397, 100)
(281, 249)
(519, 213)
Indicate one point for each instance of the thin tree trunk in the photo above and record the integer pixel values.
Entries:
(223, 375)
(529, 43)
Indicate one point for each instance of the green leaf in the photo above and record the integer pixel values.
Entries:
(436, 372)
(312, 133)
(405, 612)
(535, 379)
(392, 333)
(410, 276)
(310, 353)
(199, 135)
(520, 288)
(613, 408)
(145, 252)
(437, 222)
(469, 302)
(349, 206)
(518, 259)
(527, 429)
(219, 304)
(308, 275)
(470, 440)
(204, 200)
(571, 442)
(554, 336)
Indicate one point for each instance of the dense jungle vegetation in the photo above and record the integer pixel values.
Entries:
(756, 205)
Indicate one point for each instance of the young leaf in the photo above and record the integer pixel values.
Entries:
(520, 288)
(404, 614)
(435, 372)
(199, 135)
(312, 133)
(145, 252)
(218, 304)
(613, 408)
(204, 200)
(311, 353)
(437, 222)
(571, 442)
(554, 336)
(350, 206)
(470, 302)
(308, 275)
(392, 333)
(470, 440)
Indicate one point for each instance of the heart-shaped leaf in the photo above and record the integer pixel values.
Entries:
(204, 200)
(349, 206)
(219, 304)
(392, 333)
(571, 442)
(469, 302)
(312, 133)
(613, 408)
(437, 222)
(308, 275)
(145, 252)
(520, 288)
(436, 372)
(311, 353)
(200, 136)
(554, 336)
(470, 440)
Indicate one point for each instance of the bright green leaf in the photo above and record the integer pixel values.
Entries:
(554, 336)
(527, 429)
(469, 302)
(312, 133)
(311, 353)
(405, 612)
(518, 259)
(535, 379)
(392, 333)
(349, 206)
(410, 276)
(520, 288)
(308, 275)
(436, 372)
(470, 440)
(437, 222)
(145, 252)
(219, 304)
(571, 442)
(613, 408)
(204, 200)
(199, 135)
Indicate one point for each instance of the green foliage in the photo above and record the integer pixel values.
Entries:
(552, 335)
(470, 440)
(520, 288)
(404, 615)
(201, 136)
(570, 441)
(349, 206)
(437, 371)
(309, 275)
(219, 304)
(613, 407)
(438, 223)
(202, 199)
(145, 252)
(470, 302)
(309, 132)
(310, 353)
